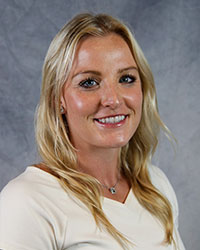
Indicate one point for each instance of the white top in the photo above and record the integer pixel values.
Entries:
(37, 214)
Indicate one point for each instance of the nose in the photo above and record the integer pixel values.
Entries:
(111, 96)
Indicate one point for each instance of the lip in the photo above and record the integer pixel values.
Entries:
(111, 125)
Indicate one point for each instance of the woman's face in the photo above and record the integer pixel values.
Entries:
(102, 97)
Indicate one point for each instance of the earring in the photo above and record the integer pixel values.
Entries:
(62, 111)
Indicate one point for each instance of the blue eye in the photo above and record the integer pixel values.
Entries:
(127, 79)
(88, 83)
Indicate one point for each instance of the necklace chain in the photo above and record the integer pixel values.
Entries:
(113, 188)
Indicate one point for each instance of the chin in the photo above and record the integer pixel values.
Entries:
(118, 144)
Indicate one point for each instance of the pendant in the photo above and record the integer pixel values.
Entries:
(112, 190)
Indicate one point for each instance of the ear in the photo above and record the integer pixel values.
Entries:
(62, 102)
(62, 105)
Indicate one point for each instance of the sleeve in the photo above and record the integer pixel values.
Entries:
(24, 223)
(161, 182)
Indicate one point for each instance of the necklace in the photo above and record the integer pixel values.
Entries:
(113, 188)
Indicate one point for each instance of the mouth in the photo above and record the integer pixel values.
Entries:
(111, 119)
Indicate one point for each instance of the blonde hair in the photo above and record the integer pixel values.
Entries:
(52, 138)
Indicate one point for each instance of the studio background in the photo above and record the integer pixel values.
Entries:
(168, 32)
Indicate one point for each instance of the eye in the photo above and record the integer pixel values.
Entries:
(88, 83)
(127, 79)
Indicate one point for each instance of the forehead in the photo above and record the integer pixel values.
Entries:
(96, 41)
(109, 48)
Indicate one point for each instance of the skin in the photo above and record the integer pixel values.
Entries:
(103, 82)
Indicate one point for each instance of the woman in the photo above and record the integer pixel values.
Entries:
(97, 127)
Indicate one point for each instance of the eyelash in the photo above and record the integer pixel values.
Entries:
(89, 80)
(84, 82)
(132, 78)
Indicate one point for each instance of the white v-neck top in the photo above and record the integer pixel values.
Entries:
(37, 214)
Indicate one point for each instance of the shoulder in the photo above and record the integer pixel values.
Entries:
(162, 183)
(31, 182)
(16, 190)
(26, 192)
(33, 192)
(31, 201)
(35, 189)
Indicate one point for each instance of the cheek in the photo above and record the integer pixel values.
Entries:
(135, 100)
(79, 105)
(74, 105)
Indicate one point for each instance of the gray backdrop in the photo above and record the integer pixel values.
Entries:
(168, 32)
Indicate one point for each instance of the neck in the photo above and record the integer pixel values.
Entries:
(101, 164)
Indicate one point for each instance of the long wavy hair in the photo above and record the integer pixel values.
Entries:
(52, 136)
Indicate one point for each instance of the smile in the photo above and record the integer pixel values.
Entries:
(112, 119)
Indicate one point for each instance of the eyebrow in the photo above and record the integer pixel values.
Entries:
(128, 68)
(94, 72)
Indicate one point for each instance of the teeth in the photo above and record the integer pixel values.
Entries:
(114, 119)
